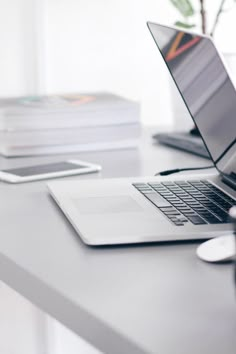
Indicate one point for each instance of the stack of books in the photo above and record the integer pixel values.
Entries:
(67, 123)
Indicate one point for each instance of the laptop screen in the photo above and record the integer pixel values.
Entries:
(205, 86)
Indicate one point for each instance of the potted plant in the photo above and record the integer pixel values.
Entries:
(187, 11)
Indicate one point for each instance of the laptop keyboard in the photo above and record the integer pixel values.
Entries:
(183, 202)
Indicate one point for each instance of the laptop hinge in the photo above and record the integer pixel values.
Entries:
(229, 180)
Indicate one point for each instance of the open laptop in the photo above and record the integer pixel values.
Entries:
(151, 209)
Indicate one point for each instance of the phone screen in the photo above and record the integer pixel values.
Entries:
(43, 169)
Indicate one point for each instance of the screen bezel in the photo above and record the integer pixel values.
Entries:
(220, 162)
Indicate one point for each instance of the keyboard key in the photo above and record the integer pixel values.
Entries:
(143, 189)
(191, 203)
(175, 188)
(166, 194)
(171, 212)
(157, 200)
(189, 188)
(212, 219)
(172, 197)
(201, 198)
(139, 184)
(168, 184)
(183, 209)
(195, 194)
(178, 204)
(182, 195)
(198, 209)
(181, 183)
(173, 218)
(146, 191)
(196, 220)
(195, 204)
(155, 184)
(194, 183)
(167, 209)
(184, 220)
(189, 213)
(188, 199)
(205, 213)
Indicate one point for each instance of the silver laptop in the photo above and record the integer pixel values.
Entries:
(151, 209)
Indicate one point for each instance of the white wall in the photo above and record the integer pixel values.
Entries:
(105, 45)
(17, 59)
(89, 45)
(53, 46)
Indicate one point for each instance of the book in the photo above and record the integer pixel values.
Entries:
(61, 111)
(57, 124)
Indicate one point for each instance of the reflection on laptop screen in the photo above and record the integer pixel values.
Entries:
(204, 84)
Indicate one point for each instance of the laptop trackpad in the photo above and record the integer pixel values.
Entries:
(113, 204)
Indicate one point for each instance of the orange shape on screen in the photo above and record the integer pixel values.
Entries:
(176, 50)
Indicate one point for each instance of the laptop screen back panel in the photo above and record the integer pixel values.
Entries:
(206, 88)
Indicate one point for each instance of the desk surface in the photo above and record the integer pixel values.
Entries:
(136, 299)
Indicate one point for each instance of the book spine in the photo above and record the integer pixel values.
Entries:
(70, 136)
(53, 150)
(65, 121)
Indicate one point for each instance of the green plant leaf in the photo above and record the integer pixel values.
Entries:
(184, 25)
(185, 7)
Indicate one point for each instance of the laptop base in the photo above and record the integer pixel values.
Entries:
(183, 141)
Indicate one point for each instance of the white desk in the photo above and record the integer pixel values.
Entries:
(136, 299)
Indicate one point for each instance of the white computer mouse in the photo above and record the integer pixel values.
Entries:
(219, 249)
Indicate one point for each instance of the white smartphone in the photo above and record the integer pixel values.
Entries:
(51, 170)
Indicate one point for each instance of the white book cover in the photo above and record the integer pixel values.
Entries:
(71, 119)
(92, 102)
